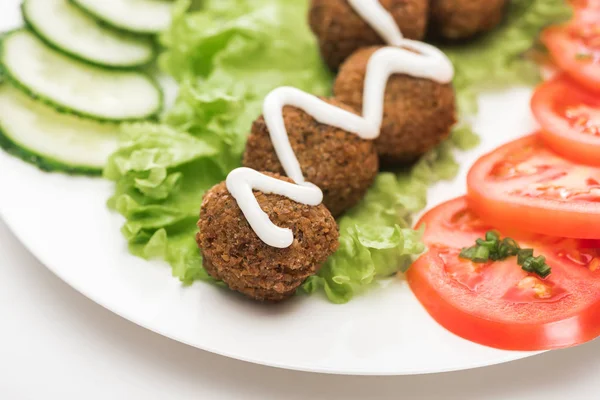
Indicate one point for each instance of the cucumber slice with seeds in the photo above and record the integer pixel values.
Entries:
(139, 16)
(73, 86)
(51, 140)
(72, 31)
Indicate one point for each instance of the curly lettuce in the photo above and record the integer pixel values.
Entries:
(226, 57)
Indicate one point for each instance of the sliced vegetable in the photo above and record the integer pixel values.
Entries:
(70, 30)
(575, 48)
(139, 16)
(493, 249)
(525, 184)
(570, 119)
(53, 141)
(73, 86)
(585, 4)
(497, 303)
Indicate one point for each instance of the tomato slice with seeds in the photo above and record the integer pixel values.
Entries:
(570, 119)
(575, 47)
(498, 304)
(524, 184)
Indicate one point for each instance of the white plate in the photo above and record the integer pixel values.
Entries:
(64, 222)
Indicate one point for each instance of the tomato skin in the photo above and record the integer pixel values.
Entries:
(489, 199)
(493, 321)
(548, 104)
(521, 336)
(566, 46)
(581, 6)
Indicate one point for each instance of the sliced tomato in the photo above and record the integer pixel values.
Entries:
(570, 119)
(575, 47)
(580, 5)
(498, 304)
(525, 184)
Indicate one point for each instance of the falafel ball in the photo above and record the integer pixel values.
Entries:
(463, 19)
(233, 253)
(341, 31)
(340, 163)
(418, 113)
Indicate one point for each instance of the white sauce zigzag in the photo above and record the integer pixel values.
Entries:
(379, 19)
(428, 62)
(240, 183)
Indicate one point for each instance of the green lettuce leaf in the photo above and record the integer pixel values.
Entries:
(161, 174)
(226, 57)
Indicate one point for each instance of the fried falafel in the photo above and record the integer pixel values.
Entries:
(463, 19)
(341, 31)
(233, 253)
(340, 163)
(418, 113)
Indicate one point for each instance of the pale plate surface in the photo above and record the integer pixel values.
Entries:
(64, 222)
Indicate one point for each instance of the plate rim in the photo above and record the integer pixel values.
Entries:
(23, 238)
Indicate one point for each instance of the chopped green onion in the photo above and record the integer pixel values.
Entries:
(583, 56)
(468, 253)
(523, 255)
(511, 245)
(527, 265)
(492, 248)
(544, 270)
(482, 254)
(490, 244)
(538, 262)
(492, 235)
(507, 248)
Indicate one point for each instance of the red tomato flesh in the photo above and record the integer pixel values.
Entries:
(570, 119)
(575, 47)
(585, 5)
(498, 304)
(524, 184)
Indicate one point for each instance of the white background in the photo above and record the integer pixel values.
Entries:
(57, 344)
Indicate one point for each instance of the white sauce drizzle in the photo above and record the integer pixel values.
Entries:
(429, 63)
(320, 110)
(240, 183)
(379, 19)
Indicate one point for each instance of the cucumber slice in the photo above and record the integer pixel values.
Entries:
(72, 31)
(72, 86)
(139, 16)
(51, 140)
